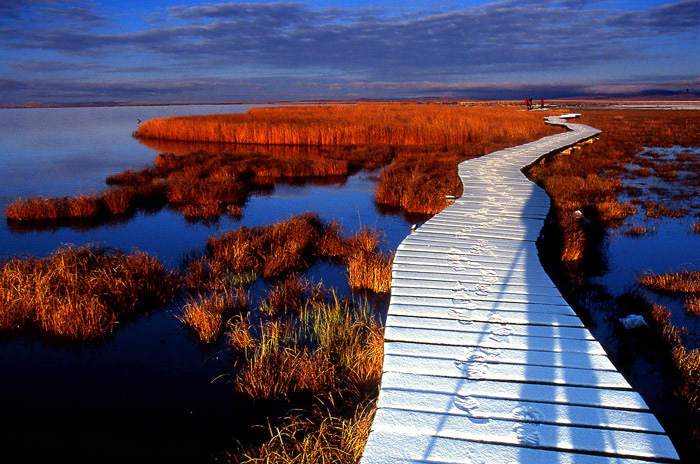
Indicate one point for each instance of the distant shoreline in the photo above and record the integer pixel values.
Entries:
(597, 101)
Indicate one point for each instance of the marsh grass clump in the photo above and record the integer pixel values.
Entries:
(291, 295)
(370, 270)
(327, 361)
(81, 293)
(280, 250)
(684, 282)
(329, 350)
(688, 363)
(367, 124)
(638, 230)
(208, 315)
(419, 186)
(269, 251)
(322, 438)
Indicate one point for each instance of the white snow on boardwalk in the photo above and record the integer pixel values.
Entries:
(484, 360)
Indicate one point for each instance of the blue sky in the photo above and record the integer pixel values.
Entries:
(174, 51)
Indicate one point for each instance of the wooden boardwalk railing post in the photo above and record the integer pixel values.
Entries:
(484, 361)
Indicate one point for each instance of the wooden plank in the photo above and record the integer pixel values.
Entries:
(497, 324)
(458, 294)
(550, 393)
(638, 445)
(464, 306)
(489, 340)
(478, 407)
(476, 284)
(478, 367)
(500, 277)
(403, 448)
(511, 316)
(503, 354)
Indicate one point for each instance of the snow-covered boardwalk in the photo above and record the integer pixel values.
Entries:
(484, 361)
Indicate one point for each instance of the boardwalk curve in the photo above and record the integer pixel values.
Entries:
(484, 361)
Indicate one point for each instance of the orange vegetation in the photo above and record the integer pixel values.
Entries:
(328, 358)
(352, 125)
(287, 247)
(207, 315)
(276, 251)
(421, 144)
(79, 293)
(586, 179)
(685, 282)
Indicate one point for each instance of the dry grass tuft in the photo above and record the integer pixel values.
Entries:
(684, 282)
(692, 305)
(323, 438)
(270, 251)
(330, 357)
(283, 249)
(80, 293)
(207, 315)
(370, 270)
(331, 346)
(638, 230)
(688, 363)
(291, 296)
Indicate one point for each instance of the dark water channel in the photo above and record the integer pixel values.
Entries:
(148, 392)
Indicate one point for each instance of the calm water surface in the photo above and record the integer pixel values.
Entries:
(146, 393)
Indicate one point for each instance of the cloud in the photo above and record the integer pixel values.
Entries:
(676, 17)
(290, 88)
(291, 40)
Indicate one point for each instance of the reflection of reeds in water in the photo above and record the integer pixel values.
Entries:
(80, 293)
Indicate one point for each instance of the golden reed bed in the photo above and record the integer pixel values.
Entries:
(352, 125)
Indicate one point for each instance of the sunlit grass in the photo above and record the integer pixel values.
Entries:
(331, 351)
(684, 282)
(81, 293)
(349, 125)
(207, 315)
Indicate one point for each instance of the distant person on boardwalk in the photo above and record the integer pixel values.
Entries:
(528, 103)
(541, 103)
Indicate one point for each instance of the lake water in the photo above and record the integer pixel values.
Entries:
(146, 393)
